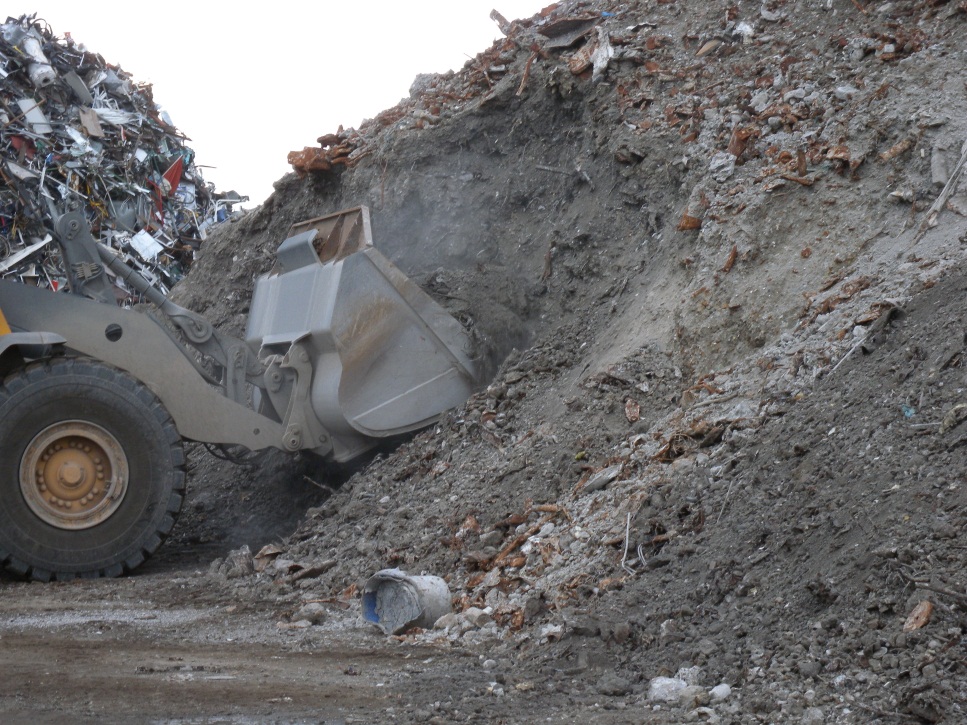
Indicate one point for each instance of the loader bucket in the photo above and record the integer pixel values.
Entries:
(385, 358)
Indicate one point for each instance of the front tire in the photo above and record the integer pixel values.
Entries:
(92, 471)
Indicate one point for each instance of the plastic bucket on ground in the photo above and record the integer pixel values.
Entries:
(397, 602)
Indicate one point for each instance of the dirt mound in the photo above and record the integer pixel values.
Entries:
(726, 435)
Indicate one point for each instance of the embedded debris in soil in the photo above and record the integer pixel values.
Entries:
(725, 445)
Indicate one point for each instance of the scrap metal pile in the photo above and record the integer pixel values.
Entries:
(77, 132)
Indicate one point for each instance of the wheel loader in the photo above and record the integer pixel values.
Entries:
(341, 350)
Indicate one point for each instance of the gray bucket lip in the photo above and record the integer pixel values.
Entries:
(426, 590)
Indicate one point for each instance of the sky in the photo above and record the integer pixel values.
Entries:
(248, 87)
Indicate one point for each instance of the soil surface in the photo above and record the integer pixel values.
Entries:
(715, 255)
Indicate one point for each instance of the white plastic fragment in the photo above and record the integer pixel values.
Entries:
(745, 31)
(602, 55)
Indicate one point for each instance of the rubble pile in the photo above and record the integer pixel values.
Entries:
(720, 474)
(80, 132)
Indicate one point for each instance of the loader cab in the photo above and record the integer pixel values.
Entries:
(10, 356)
(18, 348)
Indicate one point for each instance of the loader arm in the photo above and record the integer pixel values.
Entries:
(342, 350)
(138, 344)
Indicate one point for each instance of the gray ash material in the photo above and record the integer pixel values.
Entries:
(766, 349)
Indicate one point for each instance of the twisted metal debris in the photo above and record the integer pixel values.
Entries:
(77, 132)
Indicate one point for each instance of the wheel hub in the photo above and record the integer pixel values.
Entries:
(74, 474)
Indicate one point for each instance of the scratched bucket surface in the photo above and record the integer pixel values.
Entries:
(396, 602)
(386, 358)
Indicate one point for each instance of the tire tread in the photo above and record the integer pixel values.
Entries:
(88, 369)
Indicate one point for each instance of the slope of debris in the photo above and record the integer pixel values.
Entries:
(722, 243)
(79, 132)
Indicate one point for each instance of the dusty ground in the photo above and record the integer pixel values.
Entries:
(166, 646)
(725, 447)
(162, 646)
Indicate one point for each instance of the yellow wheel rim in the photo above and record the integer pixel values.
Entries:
(73, 475)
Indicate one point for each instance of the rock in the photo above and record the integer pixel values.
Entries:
(296, 624)
(665, 689)
(668, 632)
(618, 632)
(707, 647)
(477, 617)
(813, 716)
(489, 664)
(690, 675)
(552, 632)
(939, 173)
(236, 565)
(585, 627)
(703, 715)
(285, 566)
(760, 101)
(845, 93)
(602, 478)
(693, 696)
(613, 685)
(491, 538)
(447, 621)
(533, 606)
(809, 668)
(722, 166)
(720, 693)
(314, 613)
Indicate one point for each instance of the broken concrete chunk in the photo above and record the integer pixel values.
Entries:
(939, 173)
(477, 617)
(236, 565)
(449, 620)
(313, 612)
(844, 93)
(666, 689)
(722, 166)
(693, 696)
